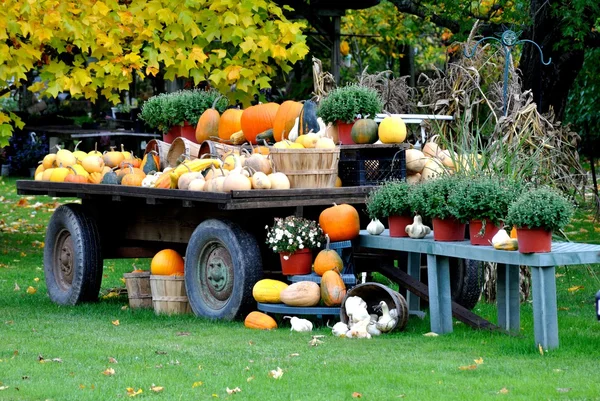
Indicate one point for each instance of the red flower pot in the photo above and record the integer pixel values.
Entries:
(299, 262)
(448, 230)
(475, 229)
(534, 240)
(187, 131)
(398, 224)
(345, 132)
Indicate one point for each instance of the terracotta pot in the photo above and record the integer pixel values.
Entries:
(187, 131)
(448, 230)
(534, 240)
(486, 238)
(398, 224)
(299, 262)
(345, 132)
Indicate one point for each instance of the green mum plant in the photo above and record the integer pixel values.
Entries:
(430, 199)
(390, 199)
(346, 102)
(542, 207)
(169, 109)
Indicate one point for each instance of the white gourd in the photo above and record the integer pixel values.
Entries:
(293, 134)
(417, 229)
(299, 325)
(385, 323)
(339, 329)
(375, 227)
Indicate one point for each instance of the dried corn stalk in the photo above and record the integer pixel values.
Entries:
(396, 94)
(323, 80)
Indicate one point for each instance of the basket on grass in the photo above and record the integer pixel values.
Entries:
(138, 289)
(307, 168)
(168, 295)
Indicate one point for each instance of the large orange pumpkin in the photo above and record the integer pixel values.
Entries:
(257, 119)
(333, 289)
(229, 123)
(340, 222)
(166, 263)
(208, 124)
(260, 321)
(326, 260)
(285, 118)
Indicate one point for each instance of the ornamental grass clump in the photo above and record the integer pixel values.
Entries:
(347, 102)
(543, 207)
(294, 233)
(390, 199)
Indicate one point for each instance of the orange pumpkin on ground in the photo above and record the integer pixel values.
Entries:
(229, 123)
(340, 222)
(257, 119)
(260, 321)
(285, 118)
(166, 262)
(333, 289)
(326, 260)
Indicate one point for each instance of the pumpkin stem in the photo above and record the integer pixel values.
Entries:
(95, 146)
(76, 145)
(72, 169)
(287, 317)
(328, 241)
(214, 105)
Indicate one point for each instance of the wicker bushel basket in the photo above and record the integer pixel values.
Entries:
(372, 294)
(182, 146)
(168, 295)
(160, 147)
(307, 168)
(138, 289)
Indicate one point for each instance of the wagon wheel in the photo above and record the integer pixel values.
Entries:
(222, 264)
(72, 256)
(466, 281)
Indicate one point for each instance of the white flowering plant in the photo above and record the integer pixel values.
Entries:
(293, 233)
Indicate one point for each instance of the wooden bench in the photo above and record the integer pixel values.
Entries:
(542, 265)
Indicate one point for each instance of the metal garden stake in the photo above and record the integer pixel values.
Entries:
(508, 40)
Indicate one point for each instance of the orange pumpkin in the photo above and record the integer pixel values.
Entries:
(95, 177)
(166, 263)
(208, 124)
(113, 158)
(285, 118)
(74, 177)
(260, 321)
(327, 260)
(229, 123)
(333, 289)
(257, 119)
(340, 222)
(133, 178)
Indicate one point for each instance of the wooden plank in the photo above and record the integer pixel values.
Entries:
(260, 204)
(304, 192)
(416, 287)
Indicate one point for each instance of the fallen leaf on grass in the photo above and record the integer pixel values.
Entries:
(160, 352)
(295, 354)
(31, 290)
(356, 395)
(250, 379)
(183, 333)
(111, 294)
(315, 341)
(156, 389)
(112, 360)
(576, 288)
(234, 390)
(58, 360)
(197, 384)
(37, 279)
(541, 349)
(109, 372)
(431, 334)
(563, 390)
(469, 367)
(131, 392)
(3, 388)
(17, 288)
(116, 322)
(22, 202)
(478, 361)
(503, 390)
(563, 308)
(557, 275)
(276, 374)
(124, 307)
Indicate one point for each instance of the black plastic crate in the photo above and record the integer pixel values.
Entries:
(362, 165)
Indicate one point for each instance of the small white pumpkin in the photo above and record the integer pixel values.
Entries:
(417, 229)
(375, 227)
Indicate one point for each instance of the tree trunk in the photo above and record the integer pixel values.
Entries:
(550, 84)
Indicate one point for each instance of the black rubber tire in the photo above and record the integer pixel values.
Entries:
(230, 299)
(466, 281)
(72, 256)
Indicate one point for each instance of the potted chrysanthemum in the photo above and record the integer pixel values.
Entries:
(294, 238)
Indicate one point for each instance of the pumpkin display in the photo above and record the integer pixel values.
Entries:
(268, 291)
(302, 293)
(340, 222)
(260, 321)
(326, 260)
(150, 162)
(415, 160)
(392, 129)
(229, 123)
(79, 154)
(364, 131)
(110, 178)
(308, 118)
(166, 262)
(433, 169)
(95, 177)
(208, 123)
(133, 178)
(93, 164)
(74, 177)
(49, 161)
(64, 157)
(113, 158)
(257, 119)
(333, 289)
(284, 119)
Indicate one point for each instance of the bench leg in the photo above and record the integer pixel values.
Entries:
(545, 319)
(414, 270)
(508, 295)
(440, 300)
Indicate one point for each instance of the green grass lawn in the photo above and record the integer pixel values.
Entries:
(98, 351)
